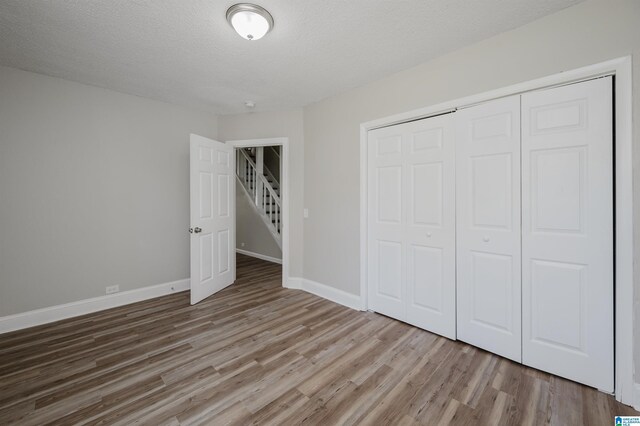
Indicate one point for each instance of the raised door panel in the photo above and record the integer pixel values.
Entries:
(490, 191)
(427, 278)
(389, 270)
(427, 194)
(389, 194)
(224, 199)
(491, 126)
(558, 190)
(206, 242)
(423, 141)
(388, 145)
(492, 292)
(557, 293)
(567, 235)
(206, 195)
(488, 226)
(224, 250)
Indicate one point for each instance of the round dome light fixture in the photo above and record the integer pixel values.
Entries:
(251, 21)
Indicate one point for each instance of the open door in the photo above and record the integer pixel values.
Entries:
(213, 240)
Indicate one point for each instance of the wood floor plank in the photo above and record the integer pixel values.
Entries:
(256, 353)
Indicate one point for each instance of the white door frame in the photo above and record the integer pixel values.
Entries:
(621, 69)
(284, 188)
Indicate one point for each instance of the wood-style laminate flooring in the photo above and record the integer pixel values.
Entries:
(256, 353)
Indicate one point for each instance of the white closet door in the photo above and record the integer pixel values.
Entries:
(567, 247)
(411, 226)
(386, 222)
(430, 228)
(488, 226)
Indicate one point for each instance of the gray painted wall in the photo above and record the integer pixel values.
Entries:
(272, 160)
(585, 34)
(94, 190)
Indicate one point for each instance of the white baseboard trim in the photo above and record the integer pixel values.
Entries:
(326, 292)
(87, 306)
(259, 256)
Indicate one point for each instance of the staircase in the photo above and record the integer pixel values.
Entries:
(261, 187)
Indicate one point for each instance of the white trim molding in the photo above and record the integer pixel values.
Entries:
(625, 391)
(87, 306)
(259, 256)
(326, 292)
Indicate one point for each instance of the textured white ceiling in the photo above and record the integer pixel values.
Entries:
(184, 52)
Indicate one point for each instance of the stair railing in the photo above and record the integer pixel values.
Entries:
(262, 193)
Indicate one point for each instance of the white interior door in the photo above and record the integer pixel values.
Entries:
(411, 226)
(488, 226)
(567, 235)
(212, 229)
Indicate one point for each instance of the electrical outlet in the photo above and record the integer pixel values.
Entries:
(241, 244)
(305, 213)
(112, 289)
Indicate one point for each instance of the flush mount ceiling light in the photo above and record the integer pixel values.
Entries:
(251, 21)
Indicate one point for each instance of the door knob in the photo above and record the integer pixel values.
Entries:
(197, 230)
(429, 234)
(485, 239)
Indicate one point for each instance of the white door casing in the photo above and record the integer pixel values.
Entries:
(412, 225)
(567, 233)
(488, 226)
(212, 192)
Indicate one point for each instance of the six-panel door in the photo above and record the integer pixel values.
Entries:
(567, 231)
(212, 217)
